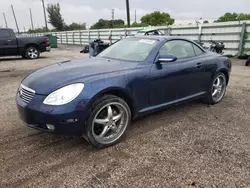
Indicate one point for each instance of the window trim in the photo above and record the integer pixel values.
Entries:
(199, 48)
(185, 41)
(7, 32)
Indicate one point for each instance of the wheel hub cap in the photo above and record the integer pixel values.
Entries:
(110, 123)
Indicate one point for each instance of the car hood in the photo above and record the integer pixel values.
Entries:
(52, 77)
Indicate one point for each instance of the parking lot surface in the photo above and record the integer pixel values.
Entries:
(191, 145)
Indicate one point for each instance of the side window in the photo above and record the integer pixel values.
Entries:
(197, 50)
(179, 48)
(4, 34)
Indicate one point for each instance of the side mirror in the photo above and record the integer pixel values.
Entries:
(167, 58)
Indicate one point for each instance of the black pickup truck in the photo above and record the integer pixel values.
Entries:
(27, 47)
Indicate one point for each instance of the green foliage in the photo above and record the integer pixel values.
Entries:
(245, 38)
(205, 21)
(135, 24)
(105, 24)
(38, 30)
(157, 18)
(227, 17)
(55, 17)
(75, 26)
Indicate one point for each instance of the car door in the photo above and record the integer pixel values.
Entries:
(8, 43)
(174, 81)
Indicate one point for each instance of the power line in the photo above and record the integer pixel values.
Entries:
(31, 20)
(15, 18)
(6, 25)
(45, 19)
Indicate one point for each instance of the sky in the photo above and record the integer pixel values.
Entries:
(90, 11)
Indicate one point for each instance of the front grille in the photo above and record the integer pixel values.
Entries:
(26, 94)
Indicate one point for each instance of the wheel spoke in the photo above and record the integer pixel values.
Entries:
(218, 82)
(104, 132)
(101, 121)
(215, 92)
(110, 112)
(117, 117)
(114, 127)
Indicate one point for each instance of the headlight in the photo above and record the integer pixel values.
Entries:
(64, 95)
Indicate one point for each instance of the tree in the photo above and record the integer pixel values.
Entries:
(55, 17)
(205, 21)
(136, 24)
(157, 18)
(227, 17)
(75, 26)
(104, 24)
(38, 30)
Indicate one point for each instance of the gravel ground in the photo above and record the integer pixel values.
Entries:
(191, 145)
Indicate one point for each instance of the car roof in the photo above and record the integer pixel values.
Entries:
(160, 37)
(148, 29)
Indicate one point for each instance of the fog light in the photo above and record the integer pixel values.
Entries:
(70, 121)
(50, 127)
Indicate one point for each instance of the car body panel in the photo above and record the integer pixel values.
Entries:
(150, 85)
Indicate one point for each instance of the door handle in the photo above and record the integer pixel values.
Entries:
(198, 65)
(9, 40)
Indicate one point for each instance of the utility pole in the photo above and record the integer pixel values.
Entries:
(128, 12)
(135, 16)
(45, 19)
(5, 20)
(31, 20)
(113, 17)
(15, 18)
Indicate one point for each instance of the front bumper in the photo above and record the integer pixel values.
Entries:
(67, 119)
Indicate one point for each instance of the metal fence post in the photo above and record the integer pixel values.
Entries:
(125, 32)
(80, 36)
(61, 37)
(89, 36)
(242, 37)
(98, 34)
(66, 38)
(169, 31)
(73, 37)
(200, 33)
(110, 36)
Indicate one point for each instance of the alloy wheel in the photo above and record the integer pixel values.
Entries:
(33, 53)
(110, 122)
(219, 88)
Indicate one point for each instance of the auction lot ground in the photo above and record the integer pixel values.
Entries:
(192, 145)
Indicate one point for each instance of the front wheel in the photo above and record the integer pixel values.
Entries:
(108, 121)
(247, 62)
(32, 52)
(217, 89)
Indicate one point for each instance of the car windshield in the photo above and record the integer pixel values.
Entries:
(130, 49)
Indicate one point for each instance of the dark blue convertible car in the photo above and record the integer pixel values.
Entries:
(98, 97)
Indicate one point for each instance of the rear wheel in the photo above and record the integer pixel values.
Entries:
(32, 52)
(108, 121)
(247, 62)
(217, 89)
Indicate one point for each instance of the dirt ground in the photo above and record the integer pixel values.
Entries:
(192, 145)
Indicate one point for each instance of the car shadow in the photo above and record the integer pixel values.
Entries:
(139, 126)
(15, 58)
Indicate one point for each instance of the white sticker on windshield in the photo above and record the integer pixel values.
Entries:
(147, 41)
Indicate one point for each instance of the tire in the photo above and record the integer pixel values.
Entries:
(217, 89)
(247, 62)
(24, 56)
(109, 117)
(32, 52)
